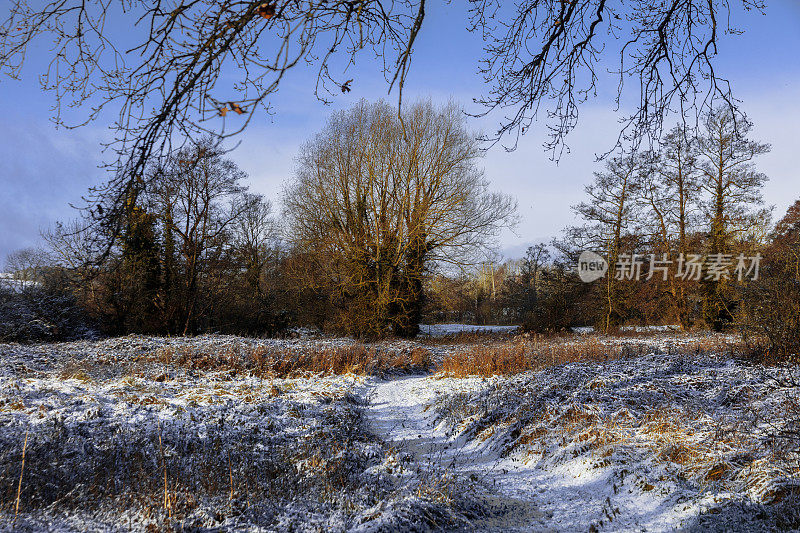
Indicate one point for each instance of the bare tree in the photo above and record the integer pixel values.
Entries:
(612, 216)
(728, 176)
(670, 193)
(169, 77)
(381, 199)
(27, 264)
(525, 284)
(536, 258)
(254, 238)
(203, 195)
(72, 247)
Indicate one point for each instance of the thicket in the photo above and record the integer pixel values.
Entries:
(39, 314)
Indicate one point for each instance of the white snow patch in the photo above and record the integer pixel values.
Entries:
(438, 330)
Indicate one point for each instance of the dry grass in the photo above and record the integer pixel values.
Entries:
(21, 473)
(162, 476)
(468, 338)
(760, 352)
(523, 354)
(275, 362)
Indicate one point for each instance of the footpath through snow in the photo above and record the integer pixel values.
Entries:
(569, 489)
(401, 412)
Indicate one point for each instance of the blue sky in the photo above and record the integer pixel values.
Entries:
(43, 170)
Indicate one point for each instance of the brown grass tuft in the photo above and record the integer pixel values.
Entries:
(266, 361)
(523, 354)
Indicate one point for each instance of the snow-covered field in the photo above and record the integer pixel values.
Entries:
(653, 443)
(142, 433)
(435, 330)
(11, 283)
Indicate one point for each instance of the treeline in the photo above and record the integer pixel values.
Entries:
(195, 251)
(541, 292)
(695, 202)
(377, 201)
(686, 238)
(388, 221)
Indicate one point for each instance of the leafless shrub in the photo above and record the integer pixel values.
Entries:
(36, 314)
(772, 310)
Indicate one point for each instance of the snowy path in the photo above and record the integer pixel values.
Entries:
(399, 412)
(529, 496)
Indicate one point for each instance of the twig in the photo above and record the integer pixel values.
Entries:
(21, 472)
(230, 476)
(167, 504)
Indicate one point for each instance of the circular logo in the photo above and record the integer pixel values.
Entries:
(591, 266)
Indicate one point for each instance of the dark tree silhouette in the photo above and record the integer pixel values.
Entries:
(545, 55)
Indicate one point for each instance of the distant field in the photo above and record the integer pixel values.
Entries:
(450, 329)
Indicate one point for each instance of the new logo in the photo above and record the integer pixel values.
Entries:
(591, 266)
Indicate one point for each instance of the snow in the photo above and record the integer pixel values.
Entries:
(400, 410)
(671, 439)
(106, 420)
(479, 429)
(12, 283)
(592, 445)
(562, 497)
(438, 330)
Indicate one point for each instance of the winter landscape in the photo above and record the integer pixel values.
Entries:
(648, 432)
(399, 266)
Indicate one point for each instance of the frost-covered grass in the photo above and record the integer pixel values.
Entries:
(116, 435)
(649, 431)
(652, 441)
(438, 330)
